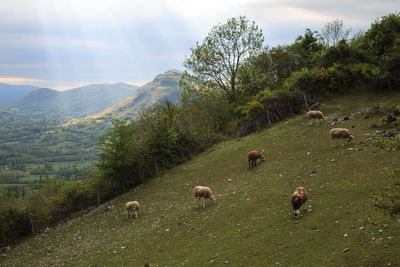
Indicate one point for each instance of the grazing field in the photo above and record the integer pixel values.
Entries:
(252, 221)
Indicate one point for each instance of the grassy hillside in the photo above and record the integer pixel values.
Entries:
(252, 223)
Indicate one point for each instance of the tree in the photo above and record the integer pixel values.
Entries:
(334, 32)
(216, 62)
(118, 161)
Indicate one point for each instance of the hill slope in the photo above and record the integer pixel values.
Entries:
(252, 223)
(12, 93)
(164, 85)
(76, 102)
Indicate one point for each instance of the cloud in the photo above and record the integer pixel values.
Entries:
(20, 81)
(67, 41)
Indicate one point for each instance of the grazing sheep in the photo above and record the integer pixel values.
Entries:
(315, 114)
(203, 192)
(340, 133)
(299, 197)
(252, 158)
(130, 207)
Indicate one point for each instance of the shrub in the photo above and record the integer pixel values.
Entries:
(389, 199)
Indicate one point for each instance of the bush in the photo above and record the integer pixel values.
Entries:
(14, 223)
(389, 199)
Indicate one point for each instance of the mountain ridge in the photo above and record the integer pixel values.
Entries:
(77, 102)
(165, 85)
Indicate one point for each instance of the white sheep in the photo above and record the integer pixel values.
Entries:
(130, 207)
(203, 192)
(315, 114)
(340, 133)
(299, 197)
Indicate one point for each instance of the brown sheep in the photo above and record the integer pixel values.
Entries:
(203, 192)
(340, 133)
(299, 197)
(130, 207)
(315, 114)
(252, 158)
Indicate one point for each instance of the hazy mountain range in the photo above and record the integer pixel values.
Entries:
(12, 93)
(105, 100)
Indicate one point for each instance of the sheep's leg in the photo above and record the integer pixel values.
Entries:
(332, 143)
(204, 203)
(249, 164)
(342, 142)
(136, 214)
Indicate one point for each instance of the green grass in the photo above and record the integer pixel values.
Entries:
(252, 223)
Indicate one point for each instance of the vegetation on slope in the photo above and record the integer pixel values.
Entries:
(252, 222)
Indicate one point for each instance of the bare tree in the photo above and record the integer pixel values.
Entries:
(333, 32)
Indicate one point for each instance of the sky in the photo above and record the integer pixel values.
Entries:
(63, 44)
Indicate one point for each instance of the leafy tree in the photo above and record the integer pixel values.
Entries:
(334, 32)
(306, 48)
(117, 160)
(215, 63)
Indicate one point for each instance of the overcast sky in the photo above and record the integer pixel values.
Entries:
(63, 44)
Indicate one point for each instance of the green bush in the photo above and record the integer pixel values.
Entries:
(389, 199)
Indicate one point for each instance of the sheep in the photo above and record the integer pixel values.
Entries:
(203, 192)
(341, 133)
(299, 197)
(252, 158)
(130, 207)
(315, 114)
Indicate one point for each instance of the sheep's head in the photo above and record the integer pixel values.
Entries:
(351, 138)
(262, 157)
(212, 198)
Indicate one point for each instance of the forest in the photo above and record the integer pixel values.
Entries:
(233, 85)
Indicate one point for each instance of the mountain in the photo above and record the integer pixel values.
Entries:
(78, 102)
(12, 93)
(165, 85)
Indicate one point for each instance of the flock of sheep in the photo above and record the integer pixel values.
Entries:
(299, 196)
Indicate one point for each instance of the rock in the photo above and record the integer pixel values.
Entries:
(345, 250)
(333, 160)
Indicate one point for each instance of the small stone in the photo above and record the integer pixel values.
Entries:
(229, 180)
(166, 230)
(308, 153)
(346, 235)
(345, 250)
(333, 160)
